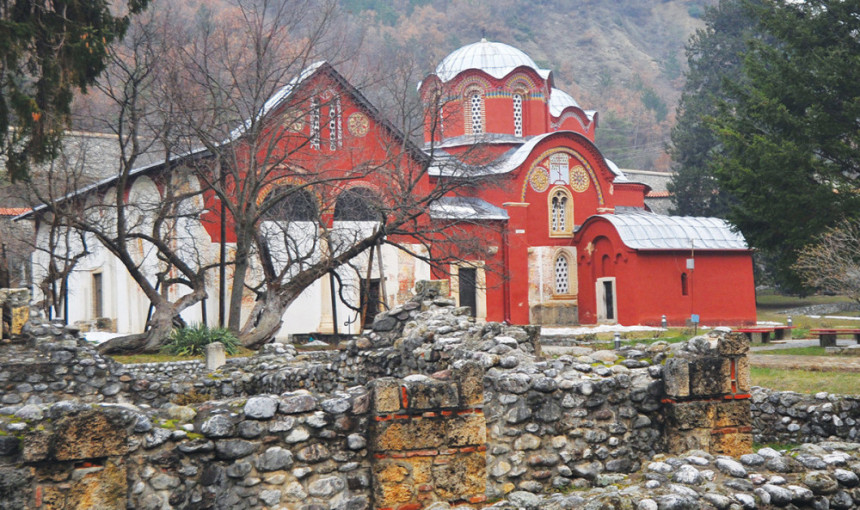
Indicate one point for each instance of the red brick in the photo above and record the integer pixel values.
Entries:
(411, 506)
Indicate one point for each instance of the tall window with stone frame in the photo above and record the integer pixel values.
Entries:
(475, 122)
(560, 212)
(562, 275)
(518, 114)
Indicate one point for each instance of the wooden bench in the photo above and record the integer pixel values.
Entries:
(758, 334)
(782, 332)
(827, 336)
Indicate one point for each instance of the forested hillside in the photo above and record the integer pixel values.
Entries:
(624, 58)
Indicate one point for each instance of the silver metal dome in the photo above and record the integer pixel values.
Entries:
(495, 59)
(559, 100)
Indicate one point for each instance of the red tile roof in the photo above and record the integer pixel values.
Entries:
(13, 211)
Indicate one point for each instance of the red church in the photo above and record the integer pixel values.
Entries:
(577, 243)
(566, 237)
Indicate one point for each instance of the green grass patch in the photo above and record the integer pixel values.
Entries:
(164, 358)
(804, 381)
(774, 301)
(797, 351)
(781, 447)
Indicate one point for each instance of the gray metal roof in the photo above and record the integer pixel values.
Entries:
(559, 100)
(642, 230)
(446, 165)
(495, 59)
(465, 208)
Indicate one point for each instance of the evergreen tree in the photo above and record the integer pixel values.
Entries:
(715, 56)
(49, 49)
(789, 131)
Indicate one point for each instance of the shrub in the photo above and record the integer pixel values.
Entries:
(192, 340)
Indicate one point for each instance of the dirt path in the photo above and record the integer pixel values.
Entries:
(815, 363)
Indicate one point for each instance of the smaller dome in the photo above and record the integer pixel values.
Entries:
(559, 100)
(495, 59)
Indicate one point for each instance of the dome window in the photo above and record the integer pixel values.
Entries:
(476, 113)
(518, 115)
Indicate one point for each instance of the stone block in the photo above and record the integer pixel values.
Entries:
(104, 488)
(690, 415)
(710, 376)
(435, 287)
(680, 441)
(431, 394)
(470, 376)
(742, 374)
(731, 443)
(676, 377)
(88, 435)
(461, 477)
(408, 435)
(733, 344)
(20, 315)
(386, 395)
(467, 430)
(732, 413)
(216, 357)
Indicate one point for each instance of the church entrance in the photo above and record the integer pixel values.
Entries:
(607, 303)
(468, 288)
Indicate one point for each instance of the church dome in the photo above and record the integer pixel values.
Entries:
(495, 59)
(559, 100)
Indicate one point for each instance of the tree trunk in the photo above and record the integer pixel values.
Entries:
(264, 322)
(240, 269)
(160, 326)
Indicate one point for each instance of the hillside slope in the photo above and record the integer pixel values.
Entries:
(623, 58)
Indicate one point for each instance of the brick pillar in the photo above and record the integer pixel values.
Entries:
(428, 439)
(706, 403)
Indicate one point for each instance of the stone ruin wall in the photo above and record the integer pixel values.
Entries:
(430, 407)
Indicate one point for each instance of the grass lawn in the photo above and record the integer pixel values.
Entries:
(804, 381)
(164, 358)
(797, 351)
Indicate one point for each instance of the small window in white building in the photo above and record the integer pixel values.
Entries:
(518, 115)
(476, 109)
(315, 124)
(562, 275)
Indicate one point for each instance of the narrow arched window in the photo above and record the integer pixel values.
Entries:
(476, 111)
(562, 275)
(685, 290)
(518, 115)
(334, 125)
(315, 124)
(560, 212)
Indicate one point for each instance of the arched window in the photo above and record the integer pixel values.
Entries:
(518, 115)
(292, 204)
(476, 113)
(560, 212)
(357, 204)
(315, 124)
(562, 275)
(684, 288)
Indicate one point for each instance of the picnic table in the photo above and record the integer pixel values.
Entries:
(827, 336)
(762, 333)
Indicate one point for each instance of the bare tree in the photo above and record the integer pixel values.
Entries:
(150, 223)
(832, 262)
(281, 177)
